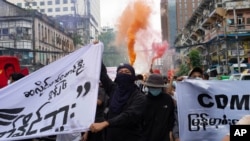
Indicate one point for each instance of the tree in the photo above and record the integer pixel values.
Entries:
(76, 39)
(183, 69)
(193, 60)
(112, 55)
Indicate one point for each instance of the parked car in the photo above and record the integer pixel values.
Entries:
(241, 76)
(245, 76)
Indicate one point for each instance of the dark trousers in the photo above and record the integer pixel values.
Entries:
(99, 136)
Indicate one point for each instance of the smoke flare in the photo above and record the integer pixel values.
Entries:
(134, 18)
(159, 49)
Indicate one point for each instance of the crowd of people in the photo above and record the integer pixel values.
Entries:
(132, 107)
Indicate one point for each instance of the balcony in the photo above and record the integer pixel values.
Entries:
(216, 15)
(230, 5)
(241, 28)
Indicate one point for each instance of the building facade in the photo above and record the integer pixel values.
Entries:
(220, 30)
(88, 10)
(31, 36)
(168, 22)
(184, 10)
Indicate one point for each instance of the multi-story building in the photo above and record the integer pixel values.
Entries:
(174, 15)
(31, 36)
(220, 30)
(184, 10)
(88, 10)
(168, 22)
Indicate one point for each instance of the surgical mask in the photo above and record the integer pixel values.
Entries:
(198, 78)
(155, 91)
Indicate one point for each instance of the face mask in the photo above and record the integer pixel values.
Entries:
(198, 78)
(124, 80)
(154, 91)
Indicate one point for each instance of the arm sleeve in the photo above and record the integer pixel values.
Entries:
(106, 81)
(176, 125)
(132, 115)
(172, 116)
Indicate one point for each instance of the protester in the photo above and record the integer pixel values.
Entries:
(139, 82)
(159, 116)
(205, 76)
(15, 76)
(245, 120)
(127, 104)
(99, 117)
(195, 73)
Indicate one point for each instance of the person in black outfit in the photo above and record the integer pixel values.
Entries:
(127, 104)
(139, 82)
(99, 117)
(159, 116)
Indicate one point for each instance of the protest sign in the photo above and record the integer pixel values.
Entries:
(58, 98)
(206, 109)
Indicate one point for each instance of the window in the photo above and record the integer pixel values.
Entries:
(72, 8)
(57, 9)
(27, 4)
(72, 1)
(65, 1)
(57, 1)
(65, 8)
(49, 2)
(231, 21)
(5, 31)
(19, 4)
(42, 10)
(34, 3)
(248, 20)
(50, 10)
(42, 3)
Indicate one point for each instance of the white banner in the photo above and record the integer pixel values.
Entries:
(111, 72)
(206, 109)
(58, 98)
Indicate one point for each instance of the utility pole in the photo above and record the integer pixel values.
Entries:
(237, 42)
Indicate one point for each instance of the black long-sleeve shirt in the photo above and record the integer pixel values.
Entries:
(126, 126)
(158, 118)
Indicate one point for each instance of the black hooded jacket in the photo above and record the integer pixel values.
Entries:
(159, 118)
(127, 125)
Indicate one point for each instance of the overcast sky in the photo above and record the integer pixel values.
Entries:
(112, 9)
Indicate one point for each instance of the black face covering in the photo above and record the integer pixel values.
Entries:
(124, 80)
(123, 91)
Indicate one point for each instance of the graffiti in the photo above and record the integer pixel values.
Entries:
(197, 122)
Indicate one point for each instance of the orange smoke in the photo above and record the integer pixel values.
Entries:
(134, 18)
(159, 49)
